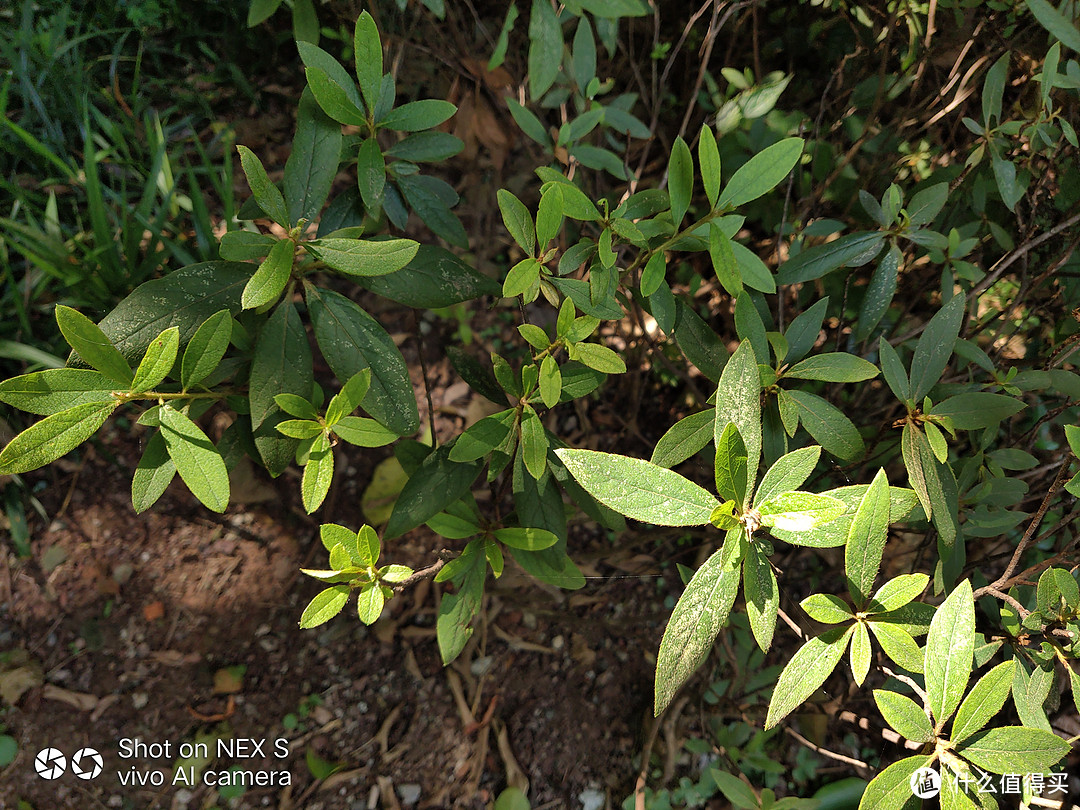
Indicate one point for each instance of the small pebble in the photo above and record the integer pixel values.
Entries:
(409, 793)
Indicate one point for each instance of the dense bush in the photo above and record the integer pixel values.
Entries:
(903, 365)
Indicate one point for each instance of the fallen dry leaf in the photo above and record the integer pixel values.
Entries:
(80, 700)
(153, 611)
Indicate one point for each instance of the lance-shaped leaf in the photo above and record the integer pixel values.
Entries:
(158, 360)
(730, 465)
(326, 605)
(197, 460)
(762, 173)
(269, 280)
(56, 389)
(360, 257)
(806, 671)
(838, 367)
(815, 262)
(762, 595)
(897, 592)
(984, 701)
(313, 161)
(680, 180)
(904, 715)
(153, 474)
(891, 789)
(436, 484)
(709, 159)
(527, 539)
(901, 503)
(828, 425)
(1014, 749)
(800, 511)
(683, 439)
(977, 409)
(935, 347)
(897, 643)
(950, 646)
(866, 539)
(266, 193)
(638, 489)
(368, 58)
(206, 348)
(788, 473)
(517, 220)
(895, 374)
(738, 401)
(826, 608)
(860, 653)
(92, 346)
(699, 614)
(318, 473)
(53, 437)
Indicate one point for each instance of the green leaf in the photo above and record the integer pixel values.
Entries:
(978, 409)
(281, 364)
(325, 606)
(860, 653)
(518, 221)
(901, 503)
(368, 58)
(53, 437)
(698, 342)
(350, 341)
(549, 215)
(370, 602)
(897, 592)
(950, 645)
(762, 595)
(158, 361)
(266, 193)
(296, 406)
(730, 465)
(788, 473)
(898, 644)
(528, 539)
(584, 54)
(529, 123)
(891, 789)
(738, 400)
(804, 330)
(813, 263)
(895, 374)
(417, 115)
(927, 204)
(805, 672)
(92, 345)
(1014, 749)
(1059, 26)
(879, 292)
(935, 347)
(600, 358)
(550, 382)
(639, 489)
(269, 280)
(153, 474)
(534, 443)
(545, 48)
(56, 389)
(184, 299)
(426, 147)
(359, 257)
(313, 161)
(206, 348)
(838, 367)
(363, 432)
(457, 610)
(904, 715)
(984, 701)
(680, 180)
(799, 511)
(318, 473)
(436, 484)
(197, 460)
(866, 540)
(723, 261)
(828, 425)
(338, 100)
(434, 278)
(299, 428)
(371, 175)
(762, 173)
(826, 608)
(683, 439)
(260, 11)
(244, 246)
(699, 614)
(709, 161)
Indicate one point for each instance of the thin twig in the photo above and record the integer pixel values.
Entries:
(825, 752)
